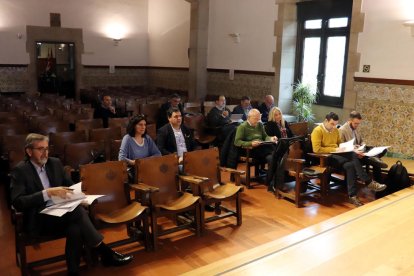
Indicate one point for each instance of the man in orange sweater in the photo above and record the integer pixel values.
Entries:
(326, 139)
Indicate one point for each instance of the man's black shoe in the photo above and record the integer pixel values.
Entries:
(209, 208)
(115, 259)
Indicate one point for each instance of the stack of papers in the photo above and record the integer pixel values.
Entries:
(345, 147)
(349, 146)
(61, 206)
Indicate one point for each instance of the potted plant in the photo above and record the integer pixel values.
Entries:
(303, 97)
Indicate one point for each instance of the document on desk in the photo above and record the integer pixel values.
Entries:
(375, 151)
(62, 206)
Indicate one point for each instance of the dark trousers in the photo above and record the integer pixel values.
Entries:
(263, 153)
(353, 169)
(79, 231)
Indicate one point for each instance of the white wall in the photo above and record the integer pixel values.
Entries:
(169, 32)
(385, 43)
(95, 17)
(254, 20)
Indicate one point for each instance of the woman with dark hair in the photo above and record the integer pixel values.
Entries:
(276, 125)
(136, 143)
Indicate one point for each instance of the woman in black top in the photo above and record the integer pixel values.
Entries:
(276, 125)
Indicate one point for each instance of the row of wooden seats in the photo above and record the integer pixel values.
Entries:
(155, 197)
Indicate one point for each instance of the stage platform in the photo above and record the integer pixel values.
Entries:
(375, 239)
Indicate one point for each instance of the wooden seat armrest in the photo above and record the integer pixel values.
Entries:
(193, 179)
(143, 192)
(233, 171)
(236, 173)
(322, 158)
(296, 160)
(142, 187)
(196, 183)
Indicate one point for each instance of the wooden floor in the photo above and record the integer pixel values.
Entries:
(375, 239)
(265, 219)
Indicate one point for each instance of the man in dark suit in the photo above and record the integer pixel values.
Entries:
(174, 137)
(34, 182)
(173, 102)
(105, 111)
(266, 106)
(218, 119)
(243, 108)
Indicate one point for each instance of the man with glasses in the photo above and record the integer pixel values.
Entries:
(350, 131)
(34, 182)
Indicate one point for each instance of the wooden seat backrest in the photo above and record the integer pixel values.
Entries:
(12, 142)
(299, 129)
(203, 163)
(118, 122)
(58, 141)
(82, 153)
(115, 146)
(107, 179)
(160, 172)
(88, 124)
(150, 110)
(105, 134)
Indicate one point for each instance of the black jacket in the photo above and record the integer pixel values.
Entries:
(215, 119)
(166, 140)
(229, 153)
(162, 118)
(105, 114)
(272, 129)
(26, 189)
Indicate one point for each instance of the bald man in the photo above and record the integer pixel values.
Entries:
(265, 107)
(251, 133)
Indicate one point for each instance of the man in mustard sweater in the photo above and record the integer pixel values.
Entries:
(326, 139)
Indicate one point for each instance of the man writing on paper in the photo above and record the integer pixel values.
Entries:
(251, 133)
(33, 182)
(326, 139)
(350, 131)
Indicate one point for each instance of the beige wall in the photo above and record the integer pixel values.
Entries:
(254, 21)
(169, 33)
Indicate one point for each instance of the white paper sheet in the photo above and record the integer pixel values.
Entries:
(375, 151)
(345, 147)
(62, 206)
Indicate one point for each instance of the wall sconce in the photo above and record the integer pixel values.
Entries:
(410, 24)
(116, 41)
(236, 37)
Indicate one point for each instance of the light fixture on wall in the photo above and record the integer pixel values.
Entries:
(116, 41)
(236, 37)
(411, 25)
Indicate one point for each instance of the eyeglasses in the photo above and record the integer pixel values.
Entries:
(42, 149)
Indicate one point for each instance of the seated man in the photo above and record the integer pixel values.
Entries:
(326, 139)
(219, 118)
(174, 137)
(243, 108)
(105, 111)
(349, 131)
(33, 182)
(251, 133)
(174, 101)
(266, 106)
